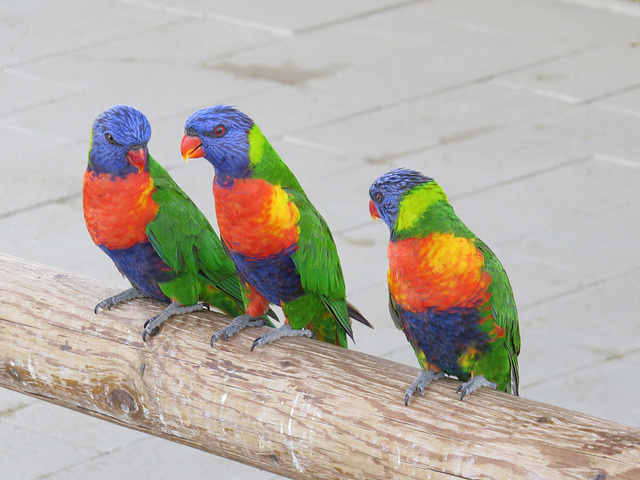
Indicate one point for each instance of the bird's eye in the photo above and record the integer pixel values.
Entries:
(110, 138)
(377, 197)
(219, 131)
(191, 132)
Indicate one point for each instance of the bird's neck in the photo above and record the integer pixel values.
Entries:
(266, 164)
(437, 218)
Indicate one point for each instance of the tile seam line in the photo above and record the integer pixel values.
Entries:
(526, 176)
(581, 367)
(39, 105)
(358, 16)
(200, 15)
(441, 91)
(266, 27)
(613, 8)
(604, 96)
(106, 41)
(43, 203)
(308, 30)
(84, 461)
(19, 74)
(575, 290)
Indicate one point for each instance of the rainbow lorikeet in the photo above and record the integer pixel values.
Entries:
(149, 227)
(282, 247)
(448, 291)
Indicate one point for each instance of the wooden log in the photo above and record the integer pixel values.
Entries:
(299, 408)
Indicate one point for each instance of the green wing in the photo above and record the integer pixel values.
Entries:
(395, 314)
(186, 241)
(317, 260)
(504, 309)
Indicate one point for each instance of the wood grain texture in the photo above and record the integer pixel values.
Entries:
(299, 408)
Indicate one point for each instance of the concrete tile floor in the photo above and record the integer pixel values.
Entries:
(527, 112)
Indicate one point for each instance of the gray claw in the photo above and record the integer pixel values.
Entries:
(236, 325)
(474, 384)
(121, 297)
(425, 377)
(285, 330)
(151, 333)
(152, 326)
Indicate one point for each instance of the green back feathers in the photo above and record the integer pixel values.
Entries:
(317, 261)
(415, 202)
(317, 256)
(503, 307)
(425, 209)
(194, 250)
(266, 164)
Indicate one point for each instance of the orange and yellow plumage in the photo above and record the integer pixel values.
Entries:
(448, 291)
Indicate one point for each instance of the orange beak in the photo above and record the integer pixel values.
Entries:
(191, 147)
(373, 211)
(137, 158)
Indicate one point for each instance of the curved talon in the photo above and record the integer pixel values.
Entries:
(222, 333)
(152, 325)
(285, 330)
(121, 297)
(474, 384)
(104, 304)
(425, 377)
(152, 333)
(236, 325)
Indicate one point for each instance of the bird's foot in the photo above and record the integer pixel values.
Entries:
(285, 330)
(425, 377)
(152, 326)
(474, 384)
(125, 296)
(236, 325)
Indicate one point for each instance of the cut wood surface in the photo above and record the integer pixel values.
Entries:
(299, 408)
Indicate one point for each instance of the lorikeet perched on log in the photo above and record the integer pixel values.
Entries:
(447, 290)
(282, 247)
(149, 227)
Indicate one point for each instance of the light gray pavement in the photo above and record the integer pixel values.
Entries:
(526, 111)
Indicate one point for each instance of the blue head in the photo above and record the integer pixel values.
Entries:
(119, 141)
(390, 189)
(220, 134)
